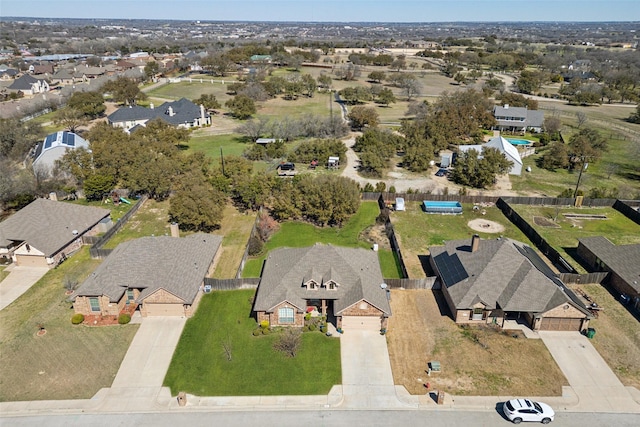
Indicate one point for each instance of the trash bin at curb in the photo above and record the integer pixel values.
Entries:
(440, 398)
(591, 333)
(182, 398)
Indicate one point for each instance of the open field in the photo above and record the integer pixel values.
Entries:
(563, 233)
(475, 360)
(235, 228)
(416, 231)
(617, 336)
(193, 90)
(68, 362)
(358, 232)
(231, 144)
(200, 364)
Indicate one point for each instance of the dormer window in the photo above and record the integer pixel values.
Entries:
(312, 285)
(331, 285)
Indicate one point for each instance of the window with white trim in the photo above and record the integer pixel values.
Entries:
(285, 315)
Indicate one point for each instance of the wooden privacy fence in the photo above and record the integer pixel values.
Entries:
(246, 250)
(628, 208)
(231, 284)
(535, 237)
(583, 278)
(96, 250)
(425, 283)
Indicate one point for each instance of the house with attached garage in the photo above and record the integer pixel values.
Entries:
(489, 281)
(53, 147)
(621, 261)
(45, 232)
(29, 85)
(159, 276)
(343, 284)
(182, 113)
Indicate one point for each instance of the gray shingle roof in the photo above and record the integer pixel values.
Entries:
(48, 226)
(177, 265)
(184, 111)
(624, 260)
(23, 82)
(356, 271)
(502, 273)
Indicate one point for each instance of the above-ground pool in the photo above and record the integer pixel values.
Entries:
(514, 141)
(442, 207)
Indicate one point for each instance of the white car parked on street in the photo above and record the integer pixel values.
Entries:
(519, 410)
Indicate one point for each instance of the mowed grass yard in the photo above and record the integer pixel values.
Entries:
(563, 234)
(617, 336)
(417, 231)
(68, 362)
(475, 361)
(352, 234)
(200, 364)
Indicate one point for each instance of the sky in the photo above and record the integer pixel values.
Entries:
(332, 10)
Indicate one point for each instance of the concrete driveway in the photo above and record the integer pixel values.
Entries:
(597, 387)
(18, 281)
(367, 381)
(138, 383)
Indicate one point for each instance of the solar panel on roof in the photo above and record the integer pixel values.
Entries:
(49, 140)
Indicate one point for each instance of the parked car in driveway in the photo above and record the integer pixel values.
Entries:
(441, 172)
(519, 410)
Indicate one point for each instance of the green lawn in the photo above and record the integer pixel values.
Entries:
(193, 90)
(564, 237)
(231, 144)
(117, 211)
(301, 234)
(68, 362)
(200, 365)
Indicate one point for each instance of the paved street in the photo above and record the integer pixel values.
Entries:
(320, 418)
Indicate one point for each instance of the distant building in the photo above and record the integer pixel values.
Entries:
(29, 85)
(518, 119)
(53, 147)
(502, 145)
(182, 113)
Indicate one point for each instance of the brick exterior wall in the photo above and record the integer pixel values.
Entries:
(273, 319)
(83, 306)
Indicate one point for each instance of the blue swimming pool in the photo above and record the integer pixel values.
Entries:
(519, 141)
(431, 206)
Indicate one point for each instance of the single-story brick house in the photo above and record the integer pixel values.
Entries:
(45, 232)
(488, 281)
(181, 113)
(621, 261)
(343, 284)
(163, 276)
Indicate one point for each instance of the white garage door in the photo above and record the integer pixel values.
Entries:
(158, 309)
(371, 323)
(31, 261)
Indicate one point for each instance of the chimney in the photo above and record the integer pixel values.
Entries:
(151, 105)
(170, 110)
(506, 106)
(201, 115)
(475, 243)
(175, 230)
(53, 196)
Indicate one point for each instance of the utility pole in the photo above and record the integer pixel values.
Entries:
(583, 166)
(222, 160)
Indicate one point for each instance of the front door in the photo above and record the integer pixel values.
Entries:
(477, 314)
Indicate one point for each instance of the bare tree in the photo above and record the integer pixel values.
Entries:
(581, 118)
(289, 342)
(227, 348)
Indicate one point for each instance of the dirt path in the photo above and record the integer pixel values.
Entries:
(404, 180)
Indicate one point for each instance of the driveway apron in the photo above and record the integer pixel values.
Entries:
(367, 381)
(595, 384)
(19, 280)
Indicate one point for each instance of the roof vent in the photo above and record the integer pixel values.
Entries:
(74, 232)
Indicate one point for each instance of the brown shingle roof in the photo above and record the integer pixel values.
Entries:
(48, 226)
(356, 271)
(177, 265)
(624, 260)
(502, 274)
